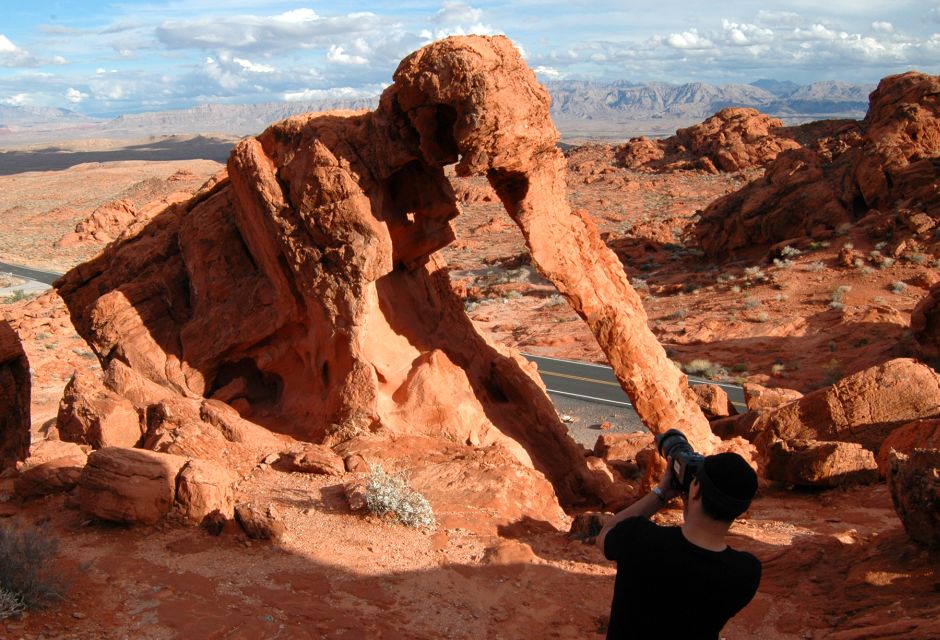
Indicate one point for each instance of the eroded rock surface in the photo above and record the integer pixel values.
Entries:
(305, 290)
(925, 324)
(914, 480)
(733, 139)
(14, 398)
(881, 175)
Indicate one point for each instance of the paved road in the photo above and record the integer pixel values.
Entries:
(597, 383)
(46, 277)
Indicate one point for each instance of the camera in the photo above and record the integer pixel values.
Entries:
(685, 462)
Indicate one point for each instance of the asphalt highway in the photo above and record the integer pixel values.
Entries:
(597, 383)
(46, 277)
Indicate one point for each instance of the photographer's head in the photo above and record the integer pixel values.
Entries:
(725, 484)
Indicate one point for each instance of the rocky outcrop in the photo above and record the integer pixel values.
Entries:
(882, 176)
(925, 324)
(305, 289)
(91, 414)
(138, 486)
(811, 463)
(713, 401)
(311, 458)
(733, 139)
(58, 474)
(920, 434)
(914, 480)
(113, 219)
(14, 398)
(863, 409)
(758, 397)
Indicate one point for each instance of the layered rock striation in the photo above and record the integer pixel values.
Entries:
(305, 290)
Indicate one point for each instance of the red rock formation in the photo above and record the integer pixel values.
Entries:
(915, 491)
(14, 398)
(819, 464)
(713, 401)
(921, 434)
(733, 139)
(862, 408)
(884, 178)
(133, 485)
(925, 324)
(305, 290)
(91, 414)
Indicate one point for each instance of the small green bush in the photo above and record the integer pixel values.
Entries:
(705, 369)
(28, 574)
(897, 287)
(390, 494)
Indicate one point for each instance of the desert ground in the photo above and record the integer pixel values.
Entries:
(838, 562)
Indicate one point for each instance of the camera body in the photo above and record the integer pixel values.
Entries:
(685, 461)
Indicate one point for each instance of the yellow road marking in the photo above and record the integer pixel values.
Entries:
(607, 382)
(571, 377)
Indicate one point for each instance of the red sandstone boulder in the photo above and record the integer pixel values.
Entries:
(14, 398)
(713, 401)
(819, 464)
(260, 523)
(129, 485)
(91, 414)
(138, 486)
(202, 488)
(104, 224)
(915, 491)
(311, 458)
(758, 397)
(622, 446)
(863, 407)
(925, 324)
(57, 475)
(921, 434)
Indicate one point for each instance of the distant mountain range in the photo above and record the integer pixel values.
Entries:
(618, 108)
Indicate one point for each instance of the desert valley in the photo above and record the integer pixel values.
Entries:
(242, 351)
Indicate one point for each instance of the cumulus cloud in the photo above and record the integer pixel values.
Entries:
(17, 100)
(14, 56)
(688, 40)
(338, 54)
(550, 73)
(818, 32)
(886, 27)
(248, 65)
(74, 95)
(453, 13)
(745, 34)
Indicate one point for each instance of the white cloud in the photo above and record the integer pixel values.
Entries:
(74, 95)
(14, 56)
(17, 100)
(6, 46)
(337, 54)
(688, 40)
(248, 65)
(886, 27)
(778, 18)
(744, 34)
(454, 13)
(334, 93)
(818, 32)
(549, 72)
(59, 60)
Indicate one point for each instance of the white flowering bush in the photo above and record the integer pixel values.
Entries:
(390, 494)
(10, 604)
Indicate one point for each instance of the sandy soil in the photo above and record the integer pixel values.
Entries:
(837, 563)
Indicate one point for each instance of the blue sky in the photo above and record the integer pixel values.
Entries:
(119, 57)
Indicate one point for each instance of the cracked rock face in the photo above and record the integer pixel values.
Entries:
(14, 398)
(305, 288)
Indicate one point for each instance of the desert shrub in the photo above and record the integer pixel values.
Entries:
(754, 274)
(10, 604)
(763, 316)
(881, 245)
(897, 287)
(678, 314)
(751, 303)
(917, 258)
(816, 265)
(886, 263)
(837, 298)
(783, 263)
(789, 252)
(28, 573)
(390, 495)
(704, 368)
(19, 296)
(555, 300)
(639, 284)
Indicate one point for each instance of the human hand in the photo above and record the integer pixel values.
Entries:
(665, 483)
